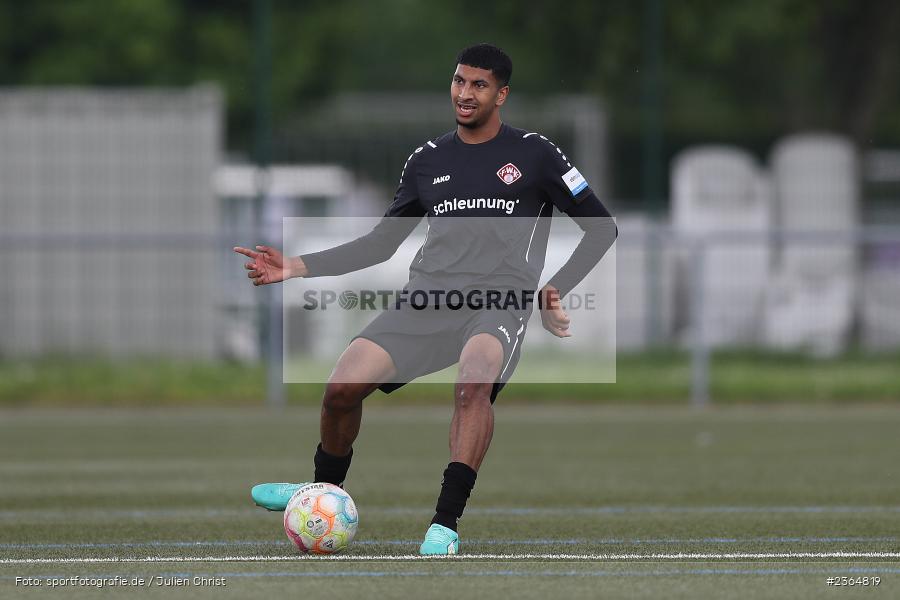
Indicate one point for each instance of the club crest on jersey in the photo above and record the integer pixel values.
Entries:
(509, 173)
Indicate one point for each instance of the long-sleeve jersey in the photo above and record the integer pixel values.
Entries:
(510, 184)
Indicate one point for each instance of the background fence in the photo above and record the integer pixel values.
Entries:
(105, 204)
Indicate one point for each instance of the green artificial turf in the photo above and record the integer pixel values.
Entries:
(559, 480)
(662, 377)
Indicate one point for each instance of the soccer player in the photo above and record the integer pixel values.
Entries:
(510, 180)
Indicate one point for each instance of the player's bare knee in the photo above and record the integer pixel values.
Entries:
(473, 394)
(342, 396)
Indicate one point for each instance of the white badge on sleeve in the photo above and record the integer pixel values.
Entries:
(574, 181)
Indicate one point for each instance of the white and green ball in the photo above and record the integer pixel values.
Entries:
(321, 518)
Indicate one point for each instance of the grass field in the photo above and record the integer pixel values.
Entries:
(573, 502)
(735, 377)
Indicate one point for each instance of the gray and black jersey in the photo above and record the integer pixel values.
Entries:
(488, 208)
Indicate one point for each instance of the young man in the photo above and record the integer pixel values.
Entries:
(510, 180)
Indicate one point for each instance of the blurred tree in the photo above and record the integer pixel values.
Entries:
(861, 41)
(89, 42)
(782, 64)
(743, 72)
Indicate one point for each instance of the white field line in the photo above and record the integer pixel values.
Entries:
(249, 511)
(495, 542)
(461, 557)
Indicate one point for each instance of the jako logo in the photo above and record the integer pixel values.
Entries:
(440, 179)
(504, 332)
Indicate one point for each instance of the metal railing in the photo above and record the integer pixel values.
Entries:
(684, 286)
(860, 244)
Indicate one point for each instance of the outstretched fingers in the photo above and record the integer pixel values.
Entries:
(256, 270)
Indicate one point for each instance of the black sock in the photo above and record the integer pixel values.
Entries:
(459, 479)
(331, 469)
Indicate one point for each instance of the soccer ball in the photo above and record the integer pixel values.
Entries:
(321, 518)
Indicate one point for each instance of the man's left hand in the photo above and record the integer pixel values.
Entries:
(553, 317)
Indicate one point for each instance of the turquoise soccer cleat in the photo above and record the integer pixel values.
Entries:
(439, 541)
(274, 496)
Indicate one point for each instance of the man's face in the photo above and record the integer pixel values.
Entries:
(476, 95)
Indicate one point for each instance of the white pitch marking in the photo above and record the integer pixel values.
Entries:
(463, 557)
(493, 542)
(44, 514)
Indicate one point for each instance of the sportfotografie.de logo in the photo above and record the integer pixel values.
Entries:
(366, 299)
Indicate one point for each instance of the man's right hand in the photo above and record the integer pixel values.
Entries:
(268, 265)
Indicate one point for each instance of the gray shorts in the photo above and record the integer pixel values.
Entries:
(425, 341)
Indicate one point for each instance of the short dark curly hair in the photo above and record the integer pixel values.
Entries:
(487, 56)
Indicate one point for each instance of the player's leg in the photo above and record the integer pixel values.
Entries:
(471, 431)
(473, 416)
(358, 372)
(362, 367)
